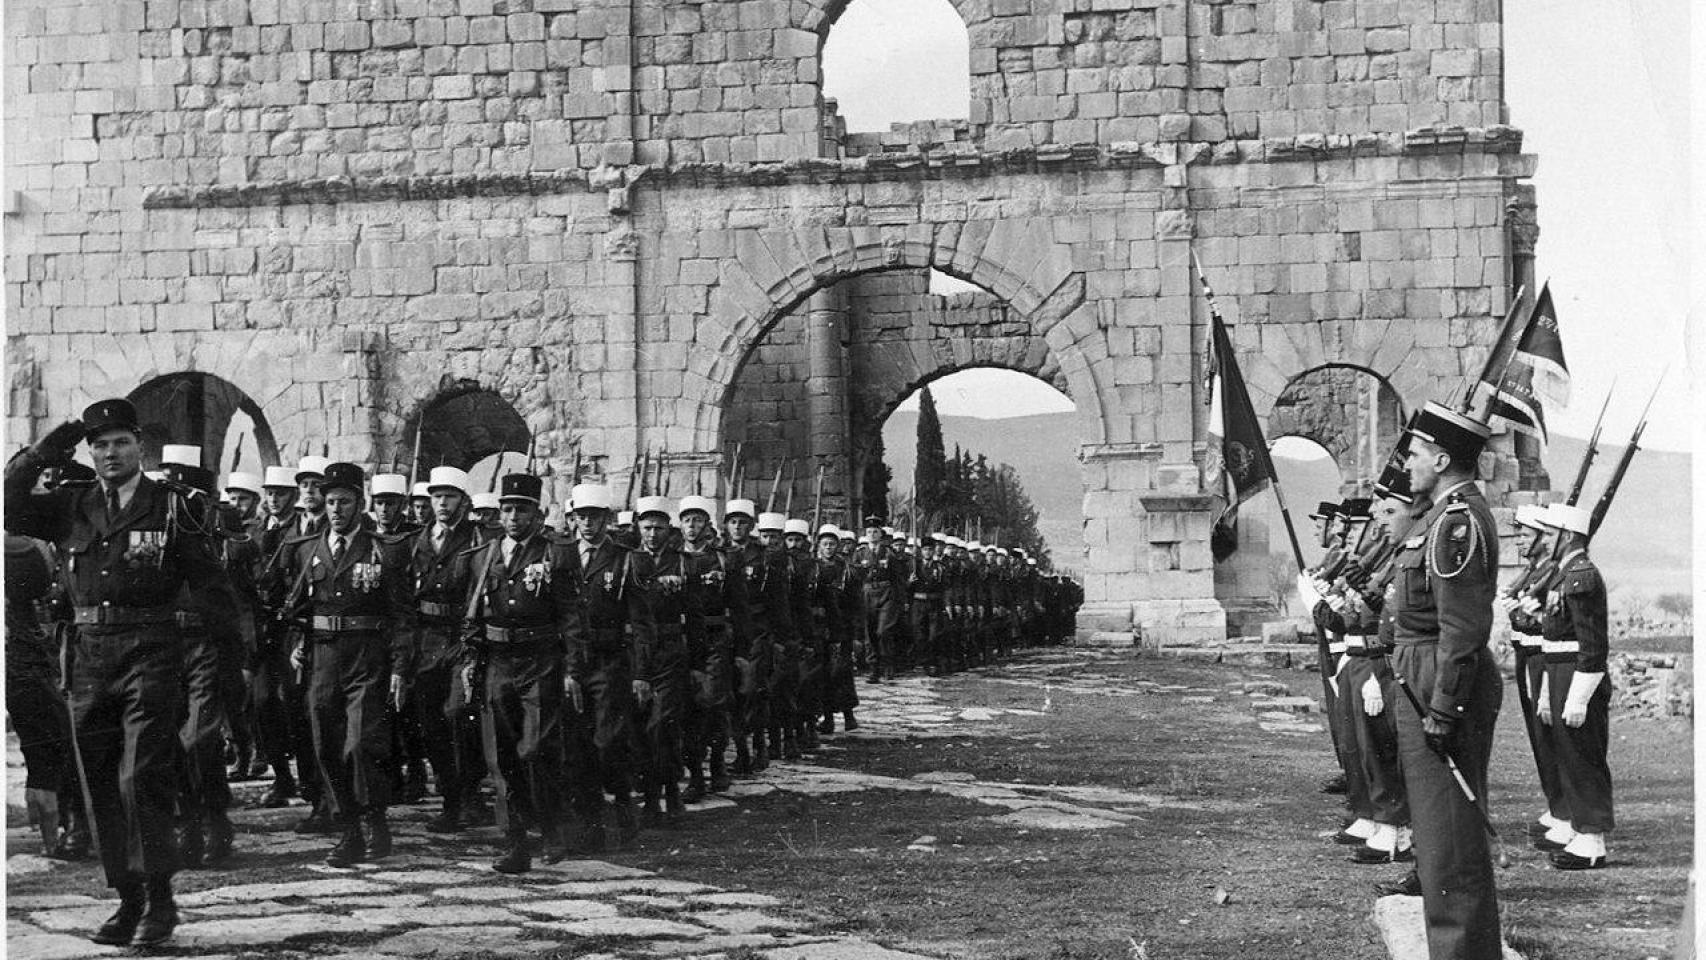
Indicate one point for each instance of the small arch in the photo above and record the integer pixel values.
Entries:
(1350, 411)
(875, 47)
(208, 411)
(462, 425)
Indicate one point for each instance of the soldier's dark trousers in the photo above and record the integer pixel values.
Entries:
(1584, 777)
(813, 671)
(450, 730)
(882, 622)
(705, 711)
(523, 732)
(1453, 861)
(273, 738)
(1377, 786)
(352, 737)
(36, 707)
(211, 673)
(600, 749)
(752, 693)
(126, 695)
(784, 684)
(660, 721)
(926, 614)
(842, 693)
(1530, 667)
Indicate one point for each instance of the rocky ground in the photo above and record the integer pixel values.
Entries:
(1071, 804)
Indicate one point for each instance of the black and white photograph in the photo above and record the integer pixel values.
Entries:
(852, 479)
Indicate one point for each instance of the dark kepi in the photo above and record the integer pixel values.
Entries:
(104, 415)
(520, 487)
(345, 476)
(1457, 434)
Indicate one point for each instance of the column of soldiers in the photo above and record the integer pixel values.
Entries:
(1406, 605)
(343, 634)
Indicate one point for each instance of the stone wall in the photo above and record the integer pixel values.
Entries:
(599, 210)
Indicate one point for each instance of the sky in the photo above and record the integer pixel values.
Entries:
(1601, 91)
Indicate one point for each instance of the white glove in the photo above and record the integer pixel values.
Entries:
(1543, 701)
(1582, 687)
(1373, 703)
(1529, 605)
(1307, 593)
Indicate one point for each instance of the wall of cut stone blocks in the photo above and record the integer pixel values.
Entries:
(600, 209)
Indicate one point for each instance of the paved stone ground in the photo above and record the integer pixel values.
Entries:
(438, 897)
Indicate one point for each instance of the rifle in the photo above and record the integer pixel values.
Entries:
(415, 461)
(532, 446)
(1604, 505)
(733, 489)
(576, 478)
(817, 502)
(1593, 448)
(237, 455)
(775, 488)
(633, 474)
(788, 504)
(643, 471)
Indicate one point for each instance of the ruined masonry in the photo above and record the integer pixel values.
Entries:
(616, 225)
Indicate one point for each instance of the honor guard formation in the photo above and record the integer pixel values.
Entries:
(340, 633)
(1404, 603)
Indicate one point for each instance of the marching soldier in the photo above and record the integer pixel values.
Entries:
(212, 675)
(714, 594)
(600, 677)
(1574, 699)
(1443, 595)
(1527, 644)
(35, 697)
(241, 557)
(438, 698)
(272, 682)
(310, 521)
(927, 583)
(834, 612)
(126, 563)
(391, 516)
(657, 573)
(765, 575)
(879, 568)
(350, 587)
(810, 649)
(485, 510)
(389, 496)
(524, 616)
(420, 505)
(783, 681)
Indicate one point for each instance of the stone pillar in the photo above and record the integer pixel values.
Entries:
(829, 425)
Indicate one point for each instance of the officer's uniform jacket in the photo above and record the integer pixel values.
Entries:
(655, 616)
(366, 591)
(1447, 571)
(123, 573)
(715, 592)
(441, 578)
(603, 590)
(766, 576)
(1573, 625)
(533, 600)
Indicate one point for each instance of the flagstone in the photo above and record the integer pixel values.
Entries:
(746, 921)
(848, 949)
(717, 944)
(437, 915)
(270, 930)
(71, 919)
(380, 901)
(737, 899)
(325, 887)
(442, 941)
(590, 870)
(56, 946)
(594, 888)
(482, 894)
(29, 864)
(656, 903)
(634, 927)
(569, 909)
(437, 878)
(1042, 818)
(256, 908)
(43, 901)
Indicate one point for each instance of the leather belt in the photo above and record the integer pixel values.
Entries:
(1336, 646)
(512, 635)
(431, 609)
(347, 624)
(1354, 642)
(1561, 646)
(107, 615)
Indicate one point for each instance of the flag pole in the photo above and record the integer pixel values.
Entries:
(1493, 356)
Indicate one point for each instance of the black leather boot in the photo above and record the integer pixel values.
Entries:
(516, 858)
(192, 845)
(449, 820)
(161, 917)
(121, 926)
(627, 827)
(350, 850)
(221, 835)
(378, 835)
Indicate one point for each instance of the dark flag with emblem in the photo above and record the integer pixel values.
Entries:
(1243, 464)
(1534, 374)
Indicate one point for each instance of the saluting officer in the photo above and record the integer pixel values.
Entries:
(1574, 699)
(125, 565)
(350, 586)
(523, 617)
(1443, 592)
(438, 697)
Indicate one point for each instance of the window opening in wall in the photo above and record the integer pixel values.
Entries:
(898, 61)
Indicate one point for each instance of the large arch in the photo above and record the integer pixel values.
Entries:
(1352, 412)
(774, 271)
(191, 407)
(461, 425)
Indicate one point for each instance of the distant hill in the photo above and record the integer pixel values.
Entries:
(1644, 544)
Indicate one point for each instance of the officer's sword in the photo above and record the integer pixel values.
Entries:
(89, 818)
(1451, 764)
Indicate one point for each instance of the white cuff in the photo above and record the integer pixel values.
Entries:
(1582, 687)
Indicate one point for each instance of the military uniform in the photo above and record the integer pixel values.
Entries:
(1527, 644)
(35, 701)
(524, 616)
(657, 611)
(714, 596)
(352, 591)
(1577, 695)
(880, 569)
(765, 573)
(448, 715)
(928, 582)
(1442, 596)
(833, 609)
(127, 562)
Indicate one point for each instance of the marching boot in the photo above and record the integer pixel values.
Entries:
(515, 857)
(849, 723)
(775, 743)
(449, 819)
(74, 845)
(589, 833)
(221, 835)
(790, 743)
(318, 821)
(673, 808)
(808, 736)
(161, 917)
(378, 835)
(239, 770)
(192, 845)
(743, 759)
(1410, 886)
(554, 846)
(651, 815)
(350, 849)
(121, 926)
(695, 785)
(279, 794)
(719, 773)
(415, 783)
(827, 724)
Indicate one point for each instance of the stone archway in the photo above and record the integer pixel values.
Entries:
(196, 408)
(462, 425)
(1351, 412)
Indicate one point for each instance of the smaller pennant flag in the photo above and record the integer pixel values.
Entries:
(1534, 375)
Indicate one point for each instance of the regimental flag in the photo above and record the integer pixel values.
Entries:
(1239, 466)
(1534, 374)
